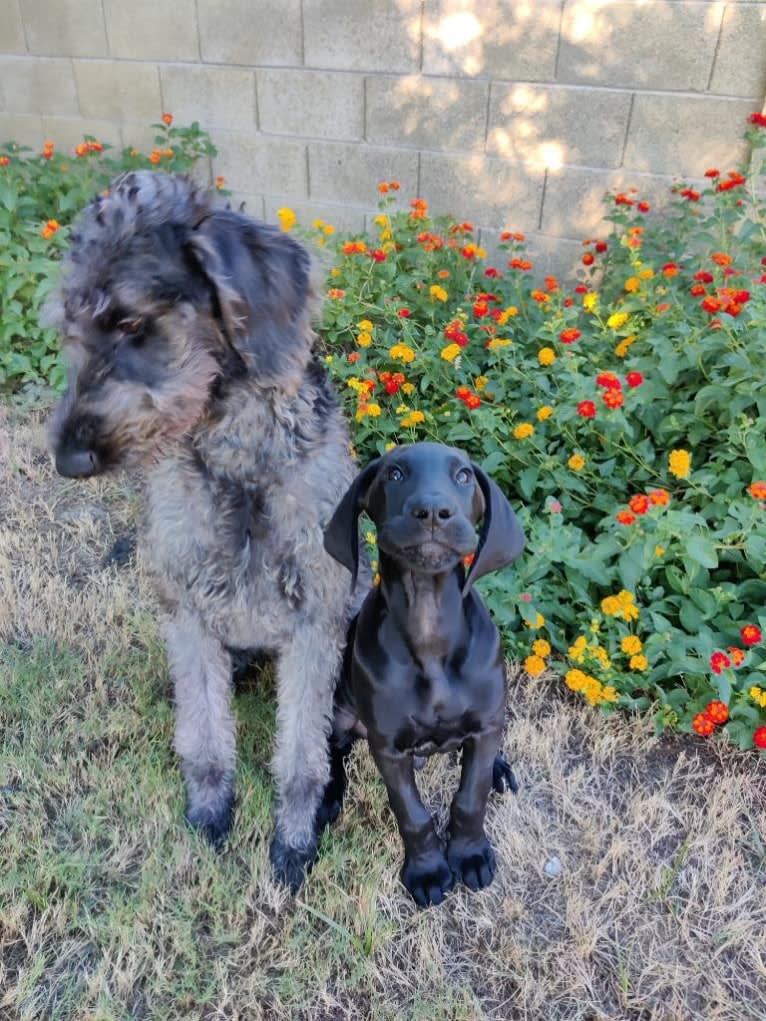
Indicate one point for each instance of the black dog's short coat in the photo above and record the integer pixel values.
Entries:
(424, 667)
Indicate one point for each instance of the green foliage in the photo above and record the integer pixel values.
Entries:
(651, 407)
(40, 194)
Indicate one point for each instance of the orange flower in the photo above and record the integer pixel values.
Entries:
(336, 292)
(540, 296)
(167, 153)
(670, 269)
(737, 655)
(81, 149)
(625, 517)
(639, 503)
(155, 156)
(383, 188)
(613, 398)
(660, 497)
(757, 490)
(443, 274)
(50, 229)
(167, 118)
(703, 725)
(721, 258)
(220, 181)
(4, 161)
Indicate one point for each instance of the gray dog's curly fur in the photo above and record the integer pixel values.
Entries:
(188, 335)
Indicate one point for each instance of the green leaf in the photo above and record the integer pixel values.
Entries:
(702, 551)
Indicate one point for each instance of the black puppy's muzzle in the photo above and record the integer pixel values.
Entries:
(433, 511)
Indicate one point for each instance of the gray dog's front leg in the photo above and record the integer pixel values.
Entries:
(469, 853)
(205, 737)
(425, 872)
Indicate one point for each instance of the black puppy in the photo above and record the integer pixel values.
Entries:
(424, 669)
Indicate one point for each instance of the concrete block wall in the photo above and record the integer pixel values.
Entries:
(512, 113)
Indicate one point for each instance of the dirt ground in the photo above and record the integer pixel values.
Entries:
(631, 873)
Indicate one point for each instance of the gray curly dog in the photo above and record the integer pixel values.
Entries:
(188, 335)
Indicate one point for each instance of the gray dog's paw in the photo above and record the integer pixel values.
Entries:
(291, 865)
(214, 825)
(429, 879)
(502, 776)
(473, 863)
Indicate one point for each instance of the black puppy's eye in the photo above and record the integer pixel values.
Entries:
(395, 474)
(132, 328)
(464, 475)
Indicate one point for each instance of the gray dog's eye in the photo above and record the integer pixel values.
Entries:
(395, 474)
(464, 475)
(130, 327)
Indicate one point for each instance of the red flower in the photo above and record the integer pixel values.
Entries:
(462, 393)
(491, 272)
(634, 379)
(581, 289)
(758, 119)
(613, 398)
(703, 725)
(609, 380)
(378, 255)
(663, 306)
(639, 503)
(704, 276)
(586, 409)
(391, 386)
(759, 738)
(472, 401)
(659, 497)
(506, 235)
(568, 302)
(4, 161)
(712, 172)
(588, 259)
(404, 313)
(625, 517)
(737, 655)
(570, 335)
(643, 207)
(670, 269)
(167, 118)
(480, 308)
(601, 246)
(741, 297)
(690, 194)
(353, 356)
(697, 290)
(719, 661)
(621, 199)
(711, 305)
(751, 635)
(523, 264)
(717, 711)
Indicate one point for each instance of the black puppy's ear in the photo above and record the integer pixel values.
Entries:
(260, 278)
(341, 537)
(501, 538)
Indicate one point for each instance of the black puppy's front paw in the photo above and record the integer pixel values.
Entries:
(291, 865)
(213, 823)
(428, 878)
(502, 776)
(473, 862)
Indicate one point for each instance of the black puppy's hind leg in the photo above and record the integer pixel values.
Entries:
(331, 805)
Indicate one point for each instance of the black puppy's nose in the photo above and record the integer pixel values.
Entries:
(77, 464)
(433, 509)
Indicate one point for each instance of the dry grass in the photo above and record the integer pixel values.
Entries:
(111, 909)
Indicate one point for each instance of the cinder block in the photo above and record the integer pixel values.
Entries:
(265, 32)
(118, 90)
(248, 205)
(362, 36)
(345, 219)
(261, 164)
(685, 135)
(11, 29)
(655, 45)
(489, 192)
(152, 29)
(351, 173)
(495, 39)
(37, 85)
(556, 125)
(67, 132)
(69, 28)
(433, 113)
(740, 64)
(215, 96)
(138, 135)
(319, 104)
(22, 129)
(574, 198)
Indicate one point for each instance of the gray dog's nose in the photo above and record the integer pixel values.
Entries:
(433, 509)
(77, 464)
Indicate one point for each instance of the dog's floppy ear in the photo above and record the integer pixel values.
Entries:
(341, 537)
(260, 277)
(501, 537)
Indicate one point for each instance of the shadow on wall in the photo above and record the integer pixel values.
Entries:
(588, 132)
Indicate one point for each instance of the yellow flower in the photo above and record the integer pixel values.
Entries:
(546, 356)
(376, 579)
(609, 694)
(534, 665)
(523, 431)
(659, 551)
(480, 382)
(389, 446)
(371, 537)
(575, 679)
(545, 412)
(537, 623)
(577, 651)
(402, 409)
(414, 418)
(317, 224)
(364, 339)
(646, 274)
(601, 655)
(286, 217)
(402, 352)
(335, 272)
(631, 645)
(381, 220)
(408, 388)
(758, 696)
(632, 284)
(622, 348)
(438, 293)
(497, 342)
(373, 410)
(639, 663)
(576, 462)
(450, 352)
(506, 314)
(616, 320)
(365, 325)
(328, 228)
(679, 463)
(541, 647)
(590, 301)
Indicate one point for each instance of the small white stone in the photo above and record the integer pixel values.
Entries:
(553, 867)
